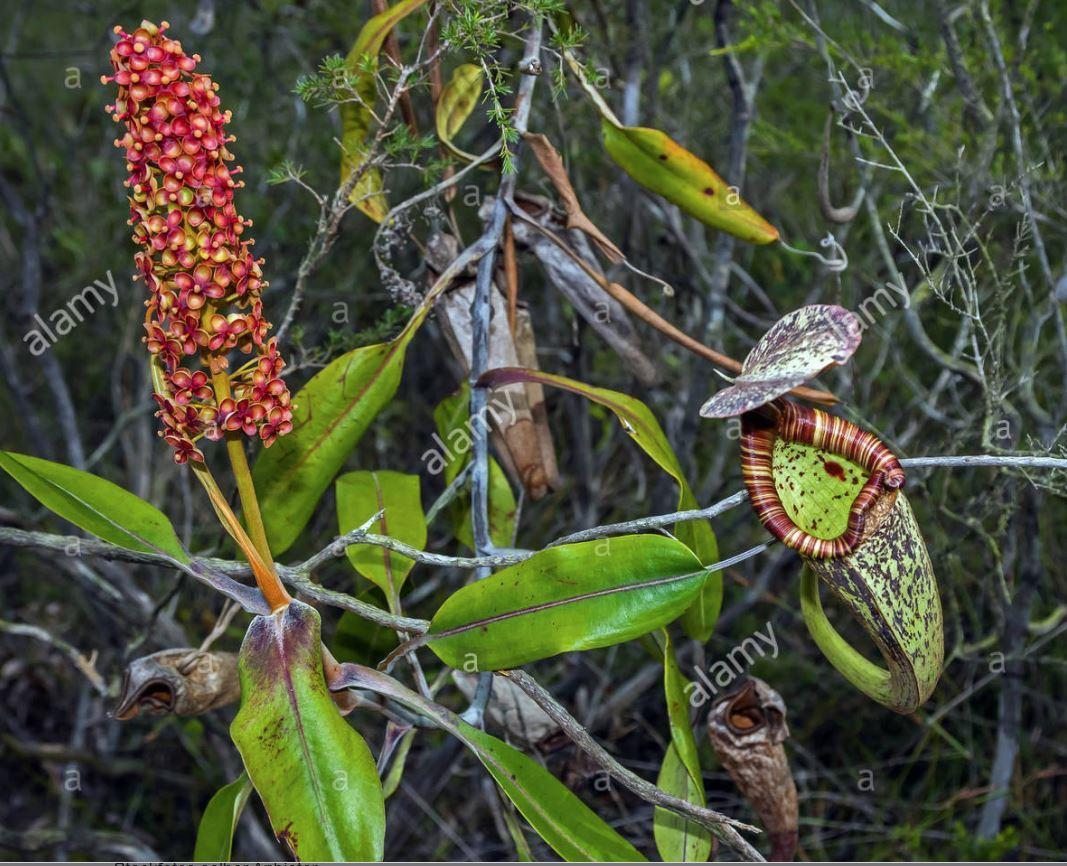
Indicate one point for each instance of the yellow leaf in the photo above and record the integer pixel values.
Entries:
(458, 100)
(356, 116)
(660, 164)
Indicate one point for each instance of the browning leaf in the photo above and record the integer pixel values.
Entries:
(526, 351)
(659, 163)
(552, 163)
(457, 102)
(604, 314)
(509, 410)
(357, 114)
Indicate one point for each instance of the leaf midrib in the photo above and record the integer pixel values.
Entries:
(309, 763)
(548, 605)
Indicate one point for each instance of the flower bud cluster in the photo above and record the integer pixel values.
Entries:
(204, 283)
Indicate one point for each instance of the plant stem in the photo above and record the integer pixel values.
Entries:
(269, 582)
(246, 490)
(264, 571)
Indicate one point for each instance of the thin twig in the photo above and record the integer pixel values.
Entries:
(1019, 461)
(480, 305)
(724, 827)
(84, 664)
(223, 575)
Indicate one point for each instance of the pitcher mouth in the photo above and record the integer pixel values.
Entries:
(836, 436)
(155, 696)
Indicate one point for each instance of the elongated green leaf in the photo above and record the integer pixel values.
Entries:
(680, 773)
(357, 115)
(678, 707)
(396, 767)
(639, 422)
(361, 495)
(330, 415)
(523, 854)
(214, 835)
(314, 773)
(572, 829)
(95, 504)
(678, 839)
(453, 454)
(571, 597)
(660, 164)
(457, 101)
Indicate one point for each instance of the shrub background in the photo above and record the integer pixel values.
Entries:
(872, 785)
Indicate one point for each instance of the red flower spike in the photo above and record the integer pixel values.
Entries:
(193, 249)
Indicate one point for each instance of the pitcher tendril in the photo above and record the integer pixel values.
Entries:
(204, 283)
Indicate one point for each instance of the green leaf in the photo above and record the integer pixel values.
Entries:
(678, 706)
(678, 839)
(214, 835)
(798, 347)
(361, 495)
(453, 432)
(95, 504)
(396, 767)
(572, 829)
(571, 597)
(660, 164)
(357, 115)
(457, 101)
(330, 415)
(314, 773)
(639, 422)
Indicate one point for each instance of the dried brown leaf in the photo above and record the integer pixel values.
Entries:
(552, 163)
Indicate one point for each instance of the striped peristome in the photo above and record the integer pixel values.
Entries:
(827, 432)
